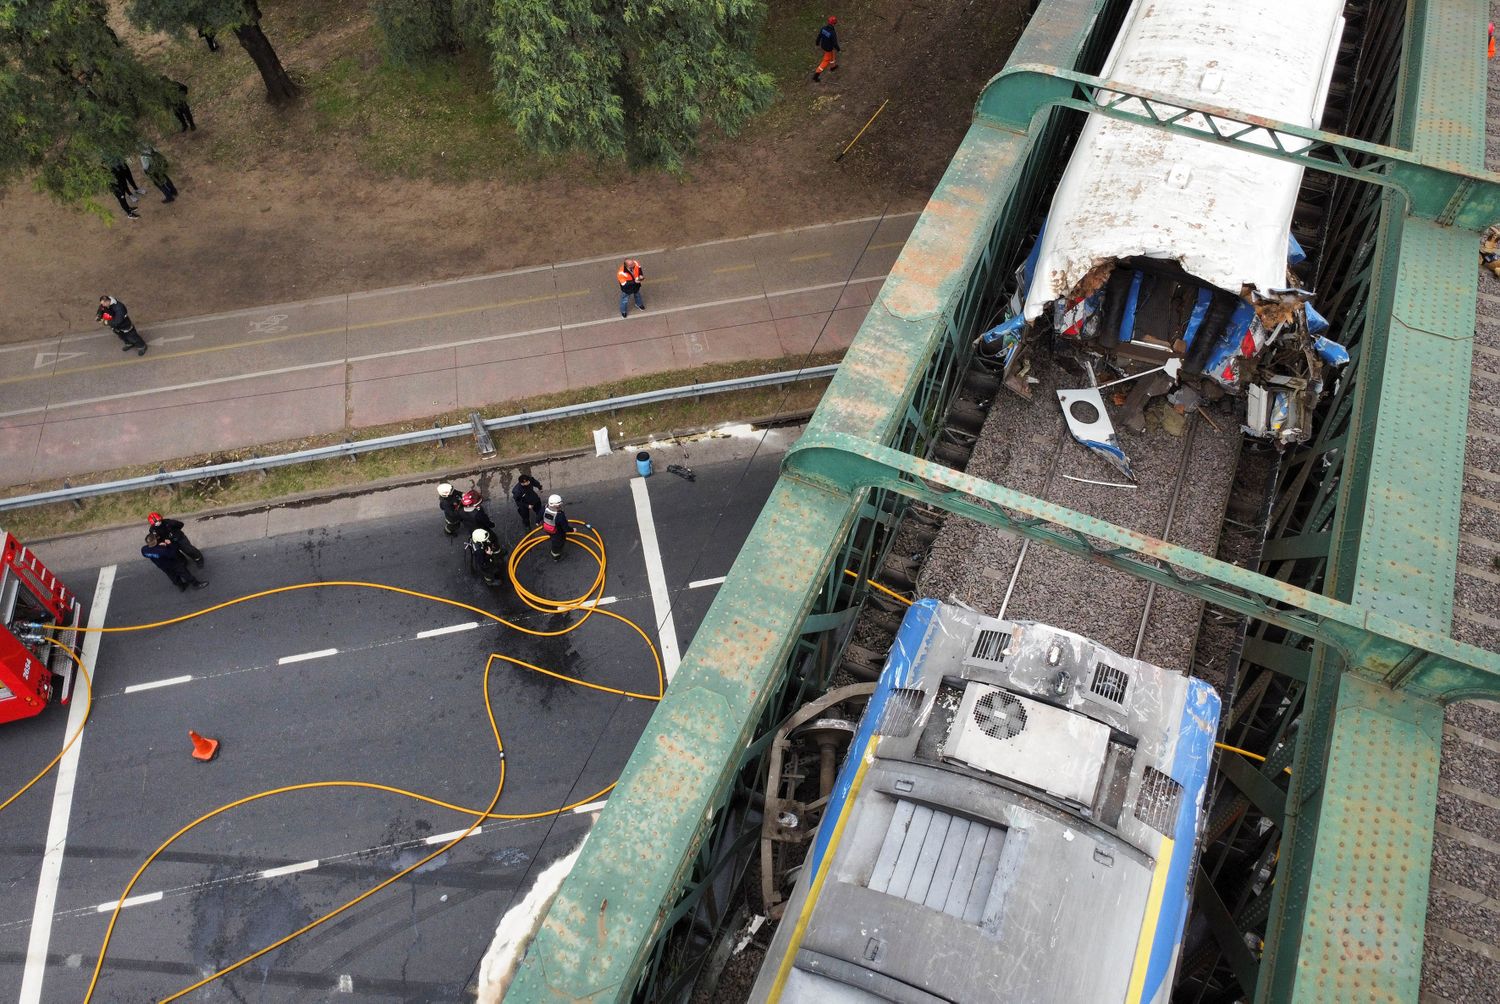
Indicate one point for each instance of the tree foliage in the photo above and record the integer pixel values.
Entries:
(239, 16)
(417, 31)
(621, 79)
(73, 99)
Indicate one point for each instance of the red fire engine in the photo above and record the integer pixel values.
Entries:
(34, 606)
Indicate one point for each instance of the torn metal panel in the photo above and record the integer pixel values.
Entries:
(1090, 425)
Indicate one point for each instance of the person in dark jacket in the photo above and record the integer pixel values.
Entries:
(113, 313)
(169, 559)
(471, 514)
(450, 502)
(555, 525)
(828, 41)
(169, 531)
(486, 557)
(155, 165)
(527, 494)
(180, 107)
(121, 170)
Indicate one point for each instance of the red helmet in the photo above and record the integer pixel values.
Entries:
(472, 497)
(832, 19)
(153, 518)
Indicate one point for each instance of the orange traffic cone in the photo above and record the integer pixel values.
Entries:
(203, 749)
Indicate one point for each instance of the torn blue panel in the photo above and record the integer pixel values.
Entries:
(1112, 452)
(1195, 320)
(1003, 341)
(1294, 253)
(1330, 351)
(1028, 267)
(1316, 322)
(1230, 344)
(1127, 322)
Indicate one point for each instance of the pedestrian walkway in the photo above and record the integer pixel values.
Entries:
(74, 405)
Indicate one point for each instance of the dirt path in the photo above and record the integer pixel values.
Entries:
(298, 215)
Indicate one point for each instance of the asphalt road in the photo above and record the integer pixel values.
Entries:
(386, 707)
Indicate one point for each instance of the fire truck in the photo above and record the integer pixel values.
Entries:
(34, 606)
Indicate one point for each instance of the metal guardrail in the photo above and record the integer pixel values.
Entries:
(354, 448)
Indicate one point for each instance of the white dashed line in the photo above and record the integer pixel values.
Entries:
(591, 807)
(321, 653)
(602, 601)
(450, 629)
(300, 866)
(700, 583)
(443, 838)
(135, 688)
(661, 600)
(150, 897)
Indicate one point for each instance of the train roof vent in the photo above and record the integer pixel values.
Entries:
(990, 645)
(1000, 715)
(1157, 802)
(1039, 745)
(941, 861)
(899, 715)
(1110, 683)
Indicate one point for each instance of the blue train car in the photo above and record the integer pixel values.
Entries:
(1017, 819)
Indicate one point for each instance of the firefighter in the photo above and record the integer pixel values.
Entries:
(449, 502)
(166, 556)
(629, 277)
(471, 512)
(486, 559)
(828, 41)
(526, 493)
(113, 313)
(555, 525)
(169, 531)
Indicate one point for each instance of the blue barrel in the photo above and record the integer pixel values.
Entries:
(643, 464)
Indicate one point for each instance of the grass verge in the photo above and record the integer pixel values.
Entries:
(627, 426)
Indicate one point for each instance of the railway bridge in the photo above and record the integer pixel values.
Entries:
(1352, 856)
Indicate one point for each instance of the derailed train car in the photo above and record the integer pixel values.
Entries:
(1172, 254)
(1017, 819)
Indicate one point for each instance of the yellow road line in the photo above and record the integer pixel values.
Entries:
(293, 336)
(887, 244)
(810, 257)
(733, 268)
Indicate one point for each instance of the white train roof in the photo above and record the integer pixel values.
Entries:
(1222, 213)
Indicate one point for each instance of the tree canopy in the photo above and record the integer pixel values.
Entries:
(638, 80)
(73, 99)
(239, 16)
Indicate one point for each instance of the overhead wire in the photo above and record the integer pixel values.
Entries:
(584, 536)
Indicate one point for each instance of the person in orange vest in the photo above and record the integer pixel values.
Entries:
(1492, 40)
(629, 276)
(828, 41)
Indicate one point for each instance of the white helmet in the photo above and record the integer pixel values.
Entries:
(554, 500)
(480, 536)
(444, 490)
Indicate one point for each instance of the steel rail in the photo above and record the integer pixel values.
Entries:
(354, 448)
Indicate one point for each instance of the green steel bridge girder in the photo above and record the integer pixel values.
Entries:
(1386, 650)
(1444, 192)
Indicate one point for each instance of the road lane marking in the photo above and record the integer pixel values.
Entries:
(887, 244)
(443, 838)
(661, 600)
(62, 806)
(343, 363)
(812, 257)
(174, 338)
(300, 866)
(590, 807)
(136, 688)
(450, 629)
(734, 268)
(304, 656)
(129, 901)
(602, 601)
(53, 358)
(700, 583)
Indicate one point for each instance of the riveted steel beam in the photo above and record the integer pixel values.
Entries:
(1445, 192)
(1375, 645)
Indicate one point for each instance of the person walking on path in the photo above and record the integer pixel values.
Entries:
(155, 165)
(113, 313)
(180, 107)
(121, 170)
(118, 191)
(170, 531)
(555, 525)
(450, 502)
(486, 557)
(629, 277)
(208, 37)
(169, 559)
(828, 41)
(527, 494)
